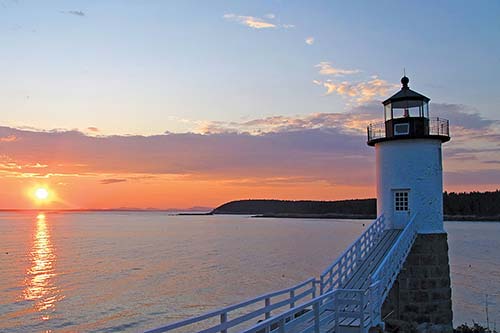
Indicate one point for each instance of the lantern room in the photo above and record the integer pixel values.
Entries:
(406, 116)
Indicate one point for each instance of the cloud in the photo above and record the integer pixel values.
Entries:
(93, 129)
(74, 12)
(360, 92)
(352, 122)
(304, 151)
(257, 22)
(9, 138)
(462, 116)
(36, 166)
(268, 150)
(250, 21)
(473, 177)
(112, 181)
(326, 68)
(309, 40)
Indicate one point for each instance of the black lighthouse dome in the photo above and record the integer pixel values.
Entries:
(404, 81)
(406, 116)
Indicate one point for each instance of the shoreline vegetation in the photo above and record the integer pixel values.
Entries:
(472, 206)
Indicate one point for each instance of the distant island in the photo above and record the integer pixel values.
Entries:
(466, 206)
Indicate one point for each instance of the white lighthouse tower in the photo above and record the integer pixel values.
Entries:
(408, 161)
(410, 188)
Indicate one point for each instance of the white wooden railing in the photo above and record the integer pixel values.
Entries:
(334, 306)
(263, 305)
(341, 270)
(387, 272)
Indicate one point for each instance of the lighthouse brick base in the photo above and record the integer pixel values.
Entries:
(421, 295)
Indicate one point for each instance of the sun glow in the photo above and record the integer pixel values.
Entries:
(41, 193)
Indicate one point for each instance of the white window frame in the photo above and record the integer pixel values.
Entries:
(401, 201)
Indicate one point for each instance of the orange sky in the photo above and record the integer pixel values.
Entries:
(318, 157)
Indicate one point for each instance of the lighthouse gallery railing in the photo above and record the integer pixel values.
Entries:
(296, 297)
(437, 126)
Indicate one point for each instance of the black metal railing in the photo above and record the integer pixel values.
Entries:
(437, 126)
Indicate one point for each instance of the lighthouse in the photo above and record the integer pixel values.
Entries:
(408, 161)
(409, 172)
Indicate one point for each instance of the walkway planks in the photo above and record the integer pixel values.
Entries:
(361, 279)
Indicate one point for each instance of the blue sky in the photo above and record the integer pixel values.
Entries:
(147, 67)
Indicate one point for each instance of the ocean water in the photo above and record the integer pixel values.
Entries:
(126, 272)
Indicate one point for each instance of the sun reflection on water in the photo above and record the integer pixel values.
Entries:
(39, 282)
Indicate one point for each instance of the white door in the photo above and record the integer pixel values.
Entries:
(401, 211)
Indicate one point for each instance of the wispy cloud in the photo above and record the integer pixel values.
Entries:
(250, 21)
(74, 12)
(353, 122)
(112, 181)
(9, 138)
(257, 22)
(359, 92)
(309, 40)
(326, 68)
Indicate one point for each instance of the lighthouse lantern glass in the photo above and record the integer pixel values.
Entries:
(406, 108)
(388, 112)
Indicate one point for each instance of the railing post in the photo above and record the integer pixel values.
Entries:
(316, 317)
(362, 310)
(314, 288)
(375, 316)
(292, 295)
(358, 254)
(281, 325)
(337, 314)
(223, 319)
(268, 303)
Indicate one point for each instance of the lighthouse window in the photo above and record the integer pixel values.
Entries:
(401, 200)
(401, 129)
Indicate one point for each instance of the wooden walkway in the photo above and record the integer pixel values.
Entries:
(360, 280)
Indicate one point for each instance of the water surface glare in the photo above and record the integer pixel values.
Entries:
(117, 271)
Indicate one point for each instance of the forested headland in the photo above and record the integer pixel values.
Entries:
(467, 206)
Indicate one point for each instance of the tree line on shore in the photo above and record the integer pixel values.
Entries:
(465, 205)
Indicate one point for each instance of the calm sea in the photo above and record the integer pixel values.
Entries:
(107, 272)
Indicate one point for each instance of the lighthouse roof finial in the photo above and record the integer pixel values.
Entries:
(404, 81)
(406, 94)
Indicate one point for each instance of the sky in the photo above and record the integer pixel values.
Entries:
(175, 104)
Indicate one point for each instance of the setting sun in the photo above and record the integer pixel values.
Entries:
(41, 193)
